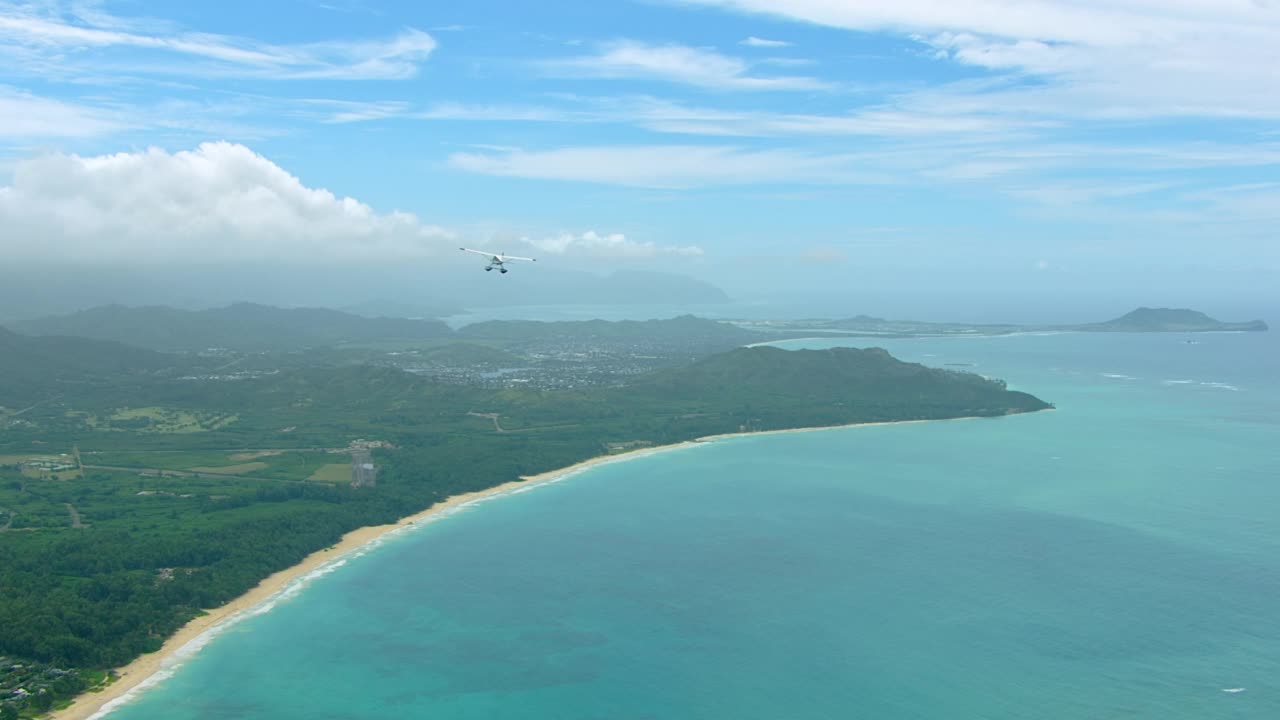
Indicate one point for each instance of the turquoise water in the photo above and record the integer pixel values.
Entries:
(1116, 558)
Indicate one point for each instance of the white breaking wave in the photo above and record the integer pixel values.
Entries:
(1202, 383)
(170, 664)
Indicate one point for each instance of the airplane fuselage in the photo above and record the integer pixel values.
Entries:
(497, 260)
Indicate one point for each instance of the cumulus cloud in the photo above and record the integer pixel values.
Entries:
(612, 245)
(219, 203)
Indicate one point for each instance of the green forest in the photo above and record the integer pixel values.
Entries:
(132, 498)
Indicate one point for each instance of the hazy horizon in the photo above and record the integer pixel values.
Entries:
(331, 153)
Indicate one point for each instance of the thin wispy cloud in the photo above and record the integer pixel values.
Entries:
(503, 113)
(669, 117)
(1127, 58)
(35, 38)
(754, 41)
(666, 166)
(1257, 202)
(607, 245)
(881, 121)
(1074, 194)
(680, 64)
(347, 111)
(24, 116)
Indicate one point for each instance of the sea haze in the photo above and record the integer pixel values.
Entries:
(1112, 558)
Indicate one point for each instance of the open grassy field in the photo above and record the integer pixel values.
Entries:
(292, 465)
(240, 469)
(244, 456)
(332, 473)
(167, 420)
(159, 459)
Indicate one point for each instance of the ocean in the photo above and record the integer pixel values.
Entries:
(1118, 557)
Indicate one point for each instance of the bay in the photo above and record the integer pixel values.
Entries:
(1115, 557)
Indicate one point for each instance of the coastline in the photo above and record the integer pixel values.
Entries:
(92, 704)
(97, 703)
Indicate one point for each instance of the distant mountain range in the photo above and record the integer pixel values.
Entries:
(248, 327)
(30, 366)
(683, 328)
(244, 327)
(393, 291)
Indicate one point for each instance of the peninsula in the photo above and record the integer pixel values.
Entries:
(139, 490)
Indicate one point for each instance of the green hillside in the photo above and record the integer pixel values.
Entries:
(683, 328)
(35, 368)
(789, 388)
(194, 488)
(243, 326)
(466, 353)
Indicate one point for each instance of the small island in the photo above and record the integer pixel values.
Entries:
(1146, 319)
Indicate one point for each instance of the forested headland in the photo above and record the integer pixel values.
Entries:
(133, 494)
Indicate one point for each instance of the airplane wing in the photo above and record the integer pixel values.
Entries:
(486, 253)
(513, 257)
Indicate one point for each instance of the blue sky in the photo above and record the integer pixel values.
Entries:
(975, 144)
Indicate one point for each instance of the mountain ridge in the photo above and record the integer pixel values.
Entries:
(241, 326)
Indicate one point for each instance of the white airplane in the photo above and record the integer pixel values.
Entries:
(497, 260)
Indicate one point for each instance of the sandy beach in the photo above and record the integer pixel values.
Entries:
(90, 704)
(95, 704)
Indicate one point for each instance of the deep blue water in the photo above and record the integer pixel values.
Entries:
(1116, 558)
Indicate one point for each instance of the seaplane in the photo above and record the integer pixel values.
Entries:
(497, 260)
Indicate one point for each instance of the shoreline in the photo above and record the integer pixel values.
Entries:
(146, 669)
(94, 704)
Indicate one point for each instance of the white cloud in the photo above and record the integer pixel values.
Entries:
(754, 41)
(1077, 193)
(1123, 58)
(346, 111)
(786, 61)
(611, 245)
(666, 166)
(218, 203)
(1025, 167)
(1253, 202)
(27, 117)
(501, 113)
(35, 41)
(886, 121)
(671, 117)
(1092, 22)
(676, 63)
